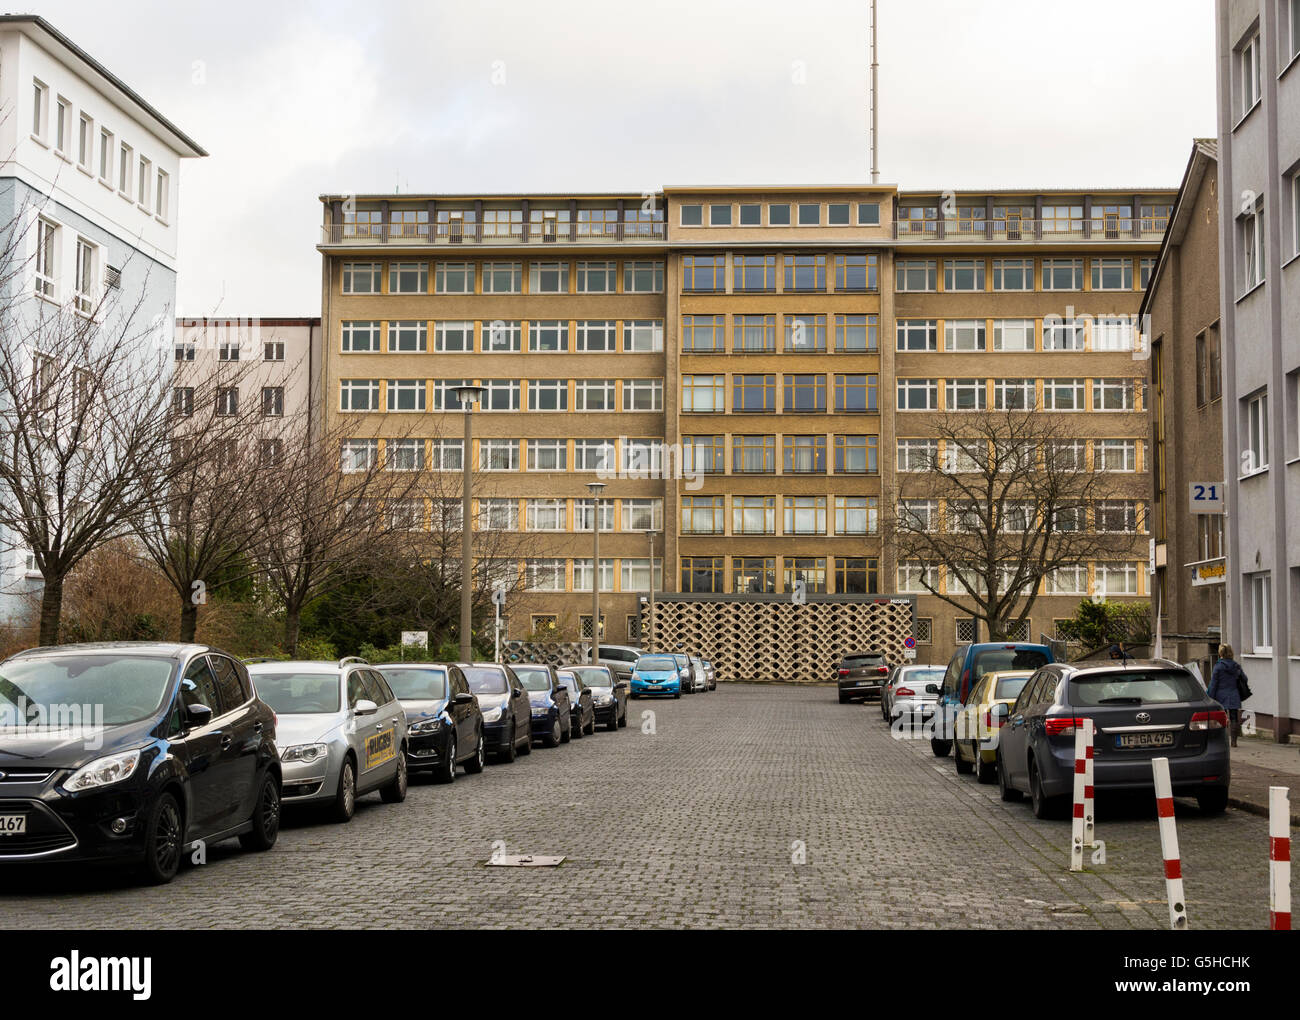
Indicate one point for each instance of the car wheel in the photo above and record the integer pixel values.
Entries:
(1005, 790)
(622, 719)
(1213, 801)
(266, 817)
(1044, 806)
(940, 747)
(511, 750)
(963, 766)
(591, 726)
(475, 764)
(162, 841)
(677, 694)
(447, 774)
(985, 771)
(613, 719)
(566, 731)
(345, 799)
(395, 791)
(527, 746)
(554, 737)
(843, 700)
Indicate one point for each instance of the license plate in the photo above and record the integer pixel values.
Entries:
(1128, 741)
(654, 687)
(13, 825)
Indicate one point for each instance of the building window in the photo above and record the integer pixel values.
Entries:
(805, 272)
(703, 575)
(806, 571)
(1248, 74)
(593, 394)
(548, 278)
(273, 401)
(1063, 219)
(546, 575)
(361, 277)
(703, 334)
(1112, 274)
(916, 275)
(917, 578)
(868, 214)
(918, 395)
(856, 273)
(704, 273)
(643, 277)
(126, 162)
(596, 336)
(359, 454)
(142, 183)
(227, 401)
(40, 108)
(361, 337)
(1117, 517)
(273, 350)
(964, 335)
(46, 258)
(918, 219)
(1261, 612)
(453, 278)
(446, 455)
(1013, 334)
(966, 395)
(917, 335)
(753, 575)
(963, 274)
(1256, 431)
(856, 393)
(408, 277)
(837, 214)
(1062, 274)
(498, 455)
(856, 455)
(757, 273)
(810, 214)
(408, 337)
(703, 394)
(753, 454)
(1115, 455)
(453, 337)
(804, 455)
(501, 337)
(1209, 535)
(1113, 395)
(593, 454)
(751, 214)
(86, 284)
(106, 156)
(547, 515)
(185, 349)
(503, 278)
(359, 395)
(692, 215)
(548, 454)
(778, 214)
(85, 141)
(183, 400)
(62, 125)
(702, 515)
(1146, 266)
(856, 333)
(1013, 274)
(856, 515)
(548, 395)
(548, 336)
(753, 515)
(703, 455)
(917, 454)
(805, 515)
(1013, 394)
(1117, 578)
(643, 336)
(643, 395)
(857, 575)
(500, 395)
(228, 350)
(1250, 238)
(720, 215)
(754, 333)
(805, 393)
(1063, 334)
(753, 393)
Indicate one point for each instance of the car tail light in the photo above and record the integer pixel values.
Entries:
(904, 692)
(1060, 726)
(844, 672)
(882, 669)
(965, 685)
(1209, 721)
(991, 721)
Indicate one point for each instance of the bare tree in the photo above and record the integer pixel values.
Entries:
(85, 392)
(998, 501)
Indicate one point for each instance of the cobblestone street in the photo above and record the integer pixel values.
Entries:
(700, 823)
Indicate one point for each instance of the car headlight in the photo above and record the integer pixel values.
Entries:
(427, 725)
(304, 752)
(104, 771)
(492, 714)
(602, 699)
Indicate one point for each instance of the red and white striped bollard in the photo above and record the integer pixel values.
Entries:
(1279, 858)
(1082, 832)
(1169, 845)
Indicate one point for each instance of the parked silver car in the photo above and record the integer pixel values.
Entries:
(700, 675)
(340, 729)
(913, 693)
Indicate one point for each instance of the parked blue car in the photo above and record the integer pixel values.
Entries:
(656, 674)
(967, 666)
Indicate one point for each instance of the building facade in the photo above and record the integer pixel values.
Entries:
(89, 199)
(728, 361)
(1181, 311)
(1258, 44)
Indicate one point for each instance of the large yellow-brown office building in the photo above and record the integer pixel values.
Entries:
(742, 367)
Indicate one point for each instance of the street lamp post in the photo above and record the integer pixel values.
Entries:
(468, 394)
(595, 489)
(650, 638)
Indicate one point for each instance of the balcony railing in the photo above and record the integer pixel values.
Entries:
(454, 233)
(1122, 229)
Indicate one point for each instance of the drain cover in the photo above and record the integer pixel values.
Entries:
(523, 861)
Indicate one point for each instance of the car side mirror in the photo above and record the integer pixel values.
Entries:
(620, 686)
(365, 707)
(1001, 710)
(463, 698)
(931, 688)
(198, 714)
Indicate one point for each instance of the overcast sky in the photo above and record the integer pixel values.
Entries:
(293, 100)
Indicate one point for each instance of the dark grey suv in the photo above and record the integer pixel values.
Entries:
(1141, 710)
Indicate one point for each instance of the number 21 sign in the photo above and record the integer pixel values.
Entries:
(1206, 497)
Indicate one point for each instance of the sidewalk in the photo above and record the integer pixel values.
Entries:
(1258, 764)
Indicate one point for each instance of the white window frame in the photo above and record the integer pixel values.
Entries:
(587, 332)
(1261, 612)
(555, 390)
(1256, 434)
(353, 329)
(547, 455)
(928, 388)
(965, 335)
(604, 272)
(416, 273)
(400, 391)
(643, 336)
(498, 454)
(460, 329)
(1020, 331)
(353, 390)
(359, 455)
(462, 272)
(643, 395)
(491, 333)
(540, 332)
(954, 388)
(354, 272)
(408, 336)
(594, 395)
(541, 272)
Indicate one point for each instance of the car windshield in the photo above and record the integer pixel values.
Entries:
(996, 660)
(72, 691)
(593, 676)
(655, 664)
(299, 693)
(921, 676)
(568, 680)
(423, 684)
(1146, 687)
(486, 679)
(534, 678)
(1009, 687)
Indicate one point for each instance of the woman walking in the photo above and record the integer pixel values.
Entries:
(1225, 687)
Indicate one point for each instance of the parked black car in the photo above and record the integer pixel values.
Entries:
(1141, 710)
(582, 704)
(444, 724)
(608, 694)
(861, 675)
(550, 703)
(132, 752)
(507, 713)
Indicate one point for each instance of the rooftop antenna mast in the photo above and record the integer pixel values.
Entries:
(875, 154)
